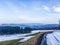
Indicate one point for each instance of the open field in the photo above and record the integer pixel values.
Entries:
(31, 41)
(12, 42)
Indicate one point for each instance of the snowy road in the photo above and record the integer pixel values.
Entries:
(53, 38)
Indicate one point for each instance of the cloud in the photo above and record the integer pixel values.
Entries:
(35, 15)
(36, 8)
(24, 5)
(56, 9)
(46, 8)
(40, 8)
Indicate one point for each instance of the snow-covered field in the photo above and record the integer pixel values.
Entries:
(17, 36)
(53, 38)
(26, 38)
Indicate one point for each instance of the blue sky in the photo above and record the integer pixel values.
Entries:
(29, 11)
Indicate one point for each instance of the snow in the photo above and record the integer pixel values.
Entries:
(53, 38)
(26, 38)
(17, 36)
(9, 37)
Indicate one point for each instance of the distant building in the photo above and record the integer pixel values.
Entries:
(59, 21)
(59, 24)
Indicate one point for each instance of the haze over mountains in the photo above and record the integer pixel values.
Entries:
(26, 28)
(32, 25)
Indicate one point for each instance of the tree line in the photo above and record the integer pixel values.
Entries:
(14, 30)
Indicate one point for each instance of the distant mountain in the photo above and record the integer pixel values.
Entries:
(51, 25)
(28, 24)
(25, 28)
(32, 25)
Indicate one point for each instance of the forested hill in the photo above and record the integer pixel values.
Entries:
(26, 28)
(14, 30)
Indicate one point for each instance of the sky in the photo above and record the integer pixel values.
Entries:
(30, 11)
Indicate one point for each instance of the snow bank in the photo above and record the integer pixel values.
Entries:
(53, 38)
(26, 38)
(16, 36)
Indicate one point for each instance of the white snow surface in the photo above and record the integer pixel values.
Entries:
(53, 38)
(17, 36)
(26, 38)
